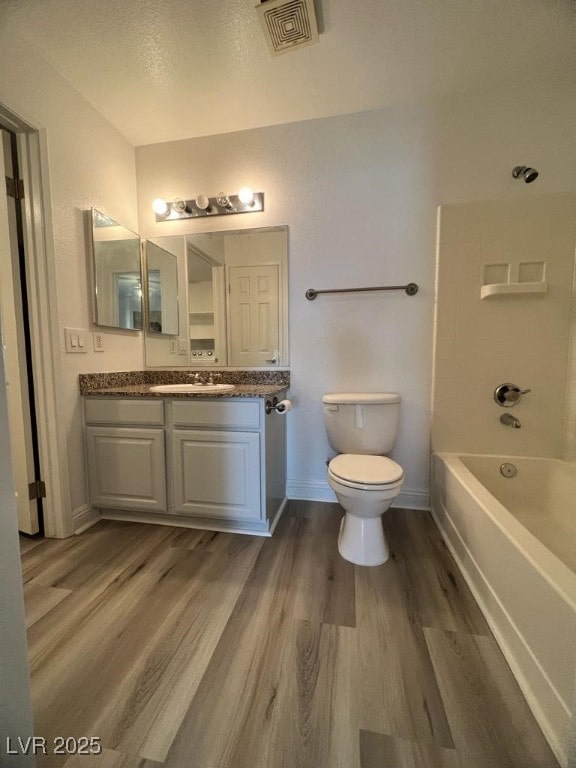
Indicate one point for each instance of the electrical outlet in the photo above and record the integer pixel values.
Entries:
(98, 341)
(182, 346)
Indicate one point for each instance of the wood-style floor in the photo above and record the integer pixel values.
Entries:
(193, 649)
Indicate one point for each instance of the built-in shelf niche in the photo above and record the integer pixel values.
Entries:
(514, 278)
(201, 324)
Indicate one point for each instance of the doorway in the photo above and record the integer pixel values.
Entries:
(16, 344)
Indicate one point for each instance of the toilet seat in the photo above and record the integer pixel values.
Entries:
(365, 472)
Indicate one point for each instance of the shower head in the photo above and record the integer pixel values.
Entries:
(525, 173)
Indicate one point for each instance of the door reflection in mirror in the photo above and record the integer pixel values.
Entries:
(162, 282)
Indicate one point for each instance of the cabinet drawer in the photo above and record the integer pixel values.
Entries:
(121, 411)
(217, 413)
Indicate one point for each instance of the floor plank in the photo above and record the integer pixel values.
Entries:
(315, 716)
(39, 600)
(400, 695)
(435, 590)
(27, 543)
(490, 720)
(242, 680)
(80, 560)
(139, 654)
(109, 759)
(325, 588)
(379, 751)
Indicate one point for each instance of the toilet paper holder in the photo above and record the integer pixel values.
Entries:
(274, 405)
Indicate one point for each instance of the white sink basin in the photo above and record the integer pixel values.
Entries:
(193, 388)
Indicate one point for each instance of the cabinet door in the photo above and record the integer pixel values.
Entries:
(127, 468)
(216, 474)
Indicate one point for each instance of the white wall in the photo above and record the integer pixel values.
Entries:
(88, 163)
(359, 194)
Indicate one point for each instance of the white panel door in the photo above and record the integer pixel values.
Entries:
(127, 468)
(253, 309)
(216, 474)
(11, 330)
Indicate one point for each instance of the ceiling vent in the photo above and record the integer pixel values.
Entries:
(288, 24)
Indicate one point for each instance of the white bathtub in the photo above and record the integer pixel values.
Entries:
(514, 539)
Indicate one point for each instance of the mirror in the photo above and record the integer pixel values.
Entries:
(117, 275)
(233, 300)
(162, 290)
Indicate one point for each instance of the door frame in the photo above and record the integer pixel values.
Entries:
(43, 318)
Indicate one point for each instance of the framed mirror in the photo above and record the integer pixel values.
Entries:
(233, 300)
(162, 290)
(116, 273)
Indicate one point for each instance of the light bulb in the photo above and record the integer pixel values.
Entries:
(246, 196)
(180, 205)
(160, 206)
(202, 202)
(223, 200)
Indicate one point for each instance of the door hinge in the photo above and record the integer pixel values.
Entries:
(15, 188)
(37, 490)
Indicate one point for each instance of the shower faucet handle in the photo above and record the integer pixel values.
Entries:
(508, 395)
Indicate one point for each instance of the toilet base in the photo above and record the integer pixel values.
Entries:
(361, 540)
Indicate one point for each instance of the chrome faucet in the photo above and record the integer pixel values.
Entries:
(205, 378)
(510, 421)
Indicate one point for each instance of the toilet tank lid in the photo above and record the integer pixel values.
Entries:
(361, 398)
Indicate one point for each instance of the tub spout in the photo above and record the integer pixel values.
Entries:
(510, 421)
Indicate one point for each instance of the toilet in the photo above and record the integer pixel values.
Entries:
(362, 428)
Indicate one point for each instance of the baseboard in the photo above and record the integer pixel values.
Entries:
(84, 517)
(413, 500)
(310, 490)
(319, 490)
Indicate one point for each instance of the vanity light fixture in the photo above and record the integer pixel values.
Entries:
(223, 204)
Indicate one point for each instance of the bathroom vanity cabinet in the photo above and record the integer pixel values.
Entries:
(215, 463)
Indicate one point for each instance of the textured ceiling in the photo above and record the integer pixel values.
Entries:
(165, 70)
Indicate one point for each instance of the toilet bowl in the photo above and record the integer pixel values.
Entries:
(365, 487)
(362, 427)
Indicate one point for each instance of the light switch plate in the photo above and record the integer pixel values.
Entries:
(75, 340)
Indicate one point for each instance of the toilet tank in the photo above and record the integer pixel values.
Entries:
(362, 422)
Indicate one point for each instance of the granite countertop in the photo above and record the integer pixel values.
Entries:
(247, 383)
(143, 390)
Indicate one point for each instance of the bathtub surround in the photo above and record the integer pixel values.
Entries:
(512, 538)
(522, 338)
